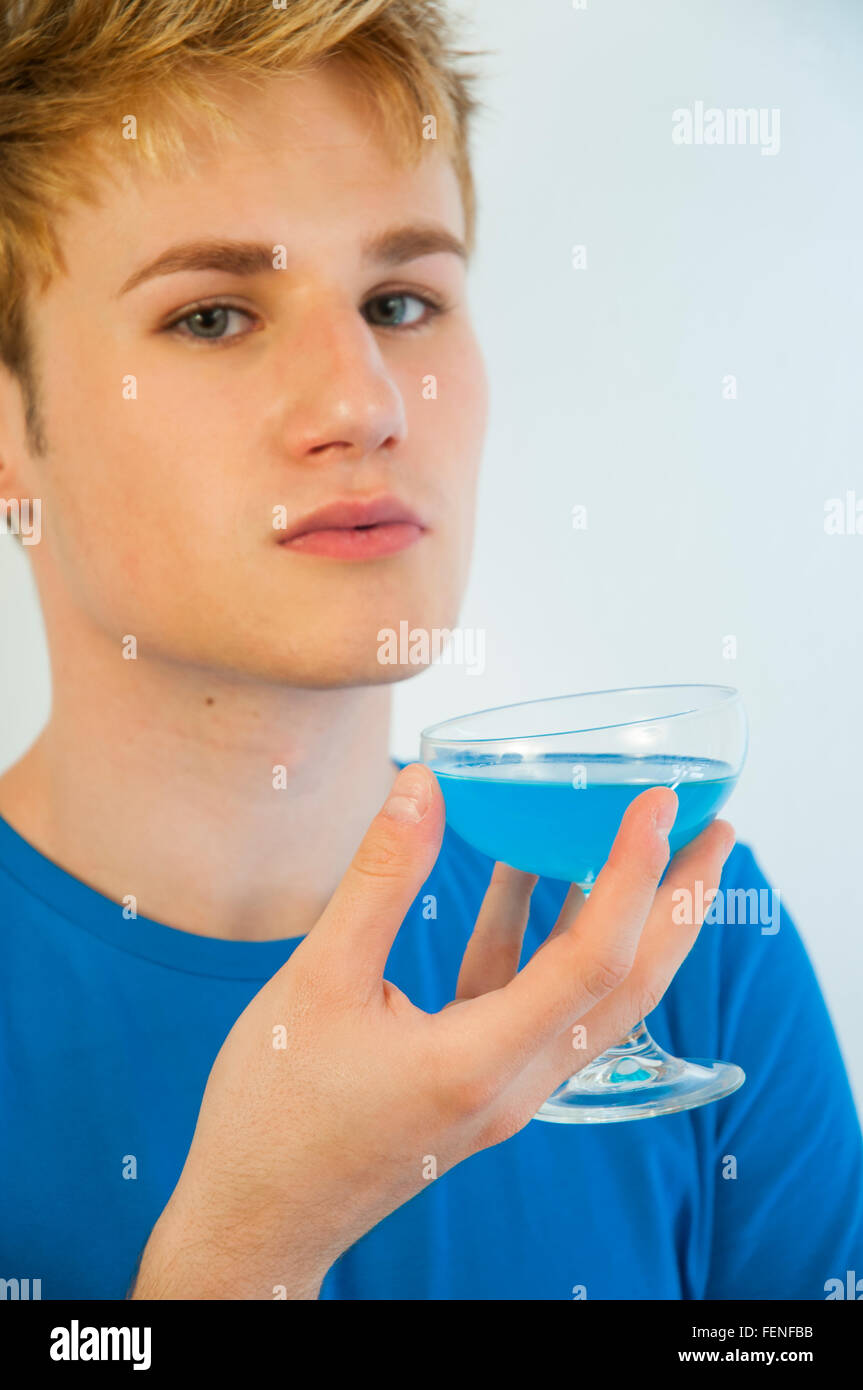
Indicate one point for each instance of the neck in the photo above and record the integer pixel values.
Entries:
(227, 808)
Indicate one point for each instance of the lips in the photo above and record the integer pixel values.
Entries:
(356, 529)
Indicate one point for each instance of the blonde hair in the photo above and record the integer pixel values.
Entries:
(71, 71)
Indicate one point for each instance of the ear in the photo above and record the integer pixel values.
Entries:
(19, 504)
(15, 476)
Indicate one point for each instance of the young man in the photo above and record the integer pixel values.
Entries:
(229, 1036)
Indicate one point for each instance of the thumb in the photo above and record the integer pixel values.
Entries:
(395, 857)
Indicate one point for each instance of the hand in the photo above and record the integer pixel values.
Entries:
(300, 1149)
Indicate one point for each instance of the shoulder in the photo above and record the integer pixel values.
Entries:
(756, 935)
(747, 955)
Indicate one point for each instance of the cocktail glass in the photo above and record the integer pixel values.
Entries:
(542, 785)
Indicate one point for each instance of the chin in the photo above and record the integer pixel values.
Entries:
(341, 677)
(308, 664)
(332, 642)
(328, 671)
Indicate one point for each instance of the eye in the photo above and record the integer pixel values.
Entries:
(399, 309)
(392, 310)
(211, 319)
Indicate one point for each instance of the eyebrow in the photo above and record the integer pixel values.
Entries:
(391, 247)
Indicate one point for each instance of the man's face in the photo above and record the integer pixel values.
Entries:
(173, 437)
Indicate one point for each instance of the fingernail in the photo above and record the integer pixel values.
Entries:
(410, 797)
(664, 817)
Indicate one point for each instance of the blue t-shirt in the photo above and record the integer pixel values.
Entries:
(109, 1027)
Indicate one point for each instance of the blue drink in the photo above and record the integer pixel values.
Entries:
(557, 814)
(543, 785)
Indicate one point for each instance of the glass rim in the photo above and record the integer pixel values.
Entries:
(729, 693)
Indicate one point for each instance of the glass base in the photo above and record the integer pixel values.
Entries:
(636, 1080)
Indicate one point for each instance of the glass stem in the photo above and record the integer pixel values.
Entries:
(638, 1040)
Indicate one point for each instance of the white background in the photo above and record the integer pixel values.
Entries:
(705, 516)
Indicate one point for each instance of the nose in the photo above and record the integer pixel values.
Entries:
(342, 399)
